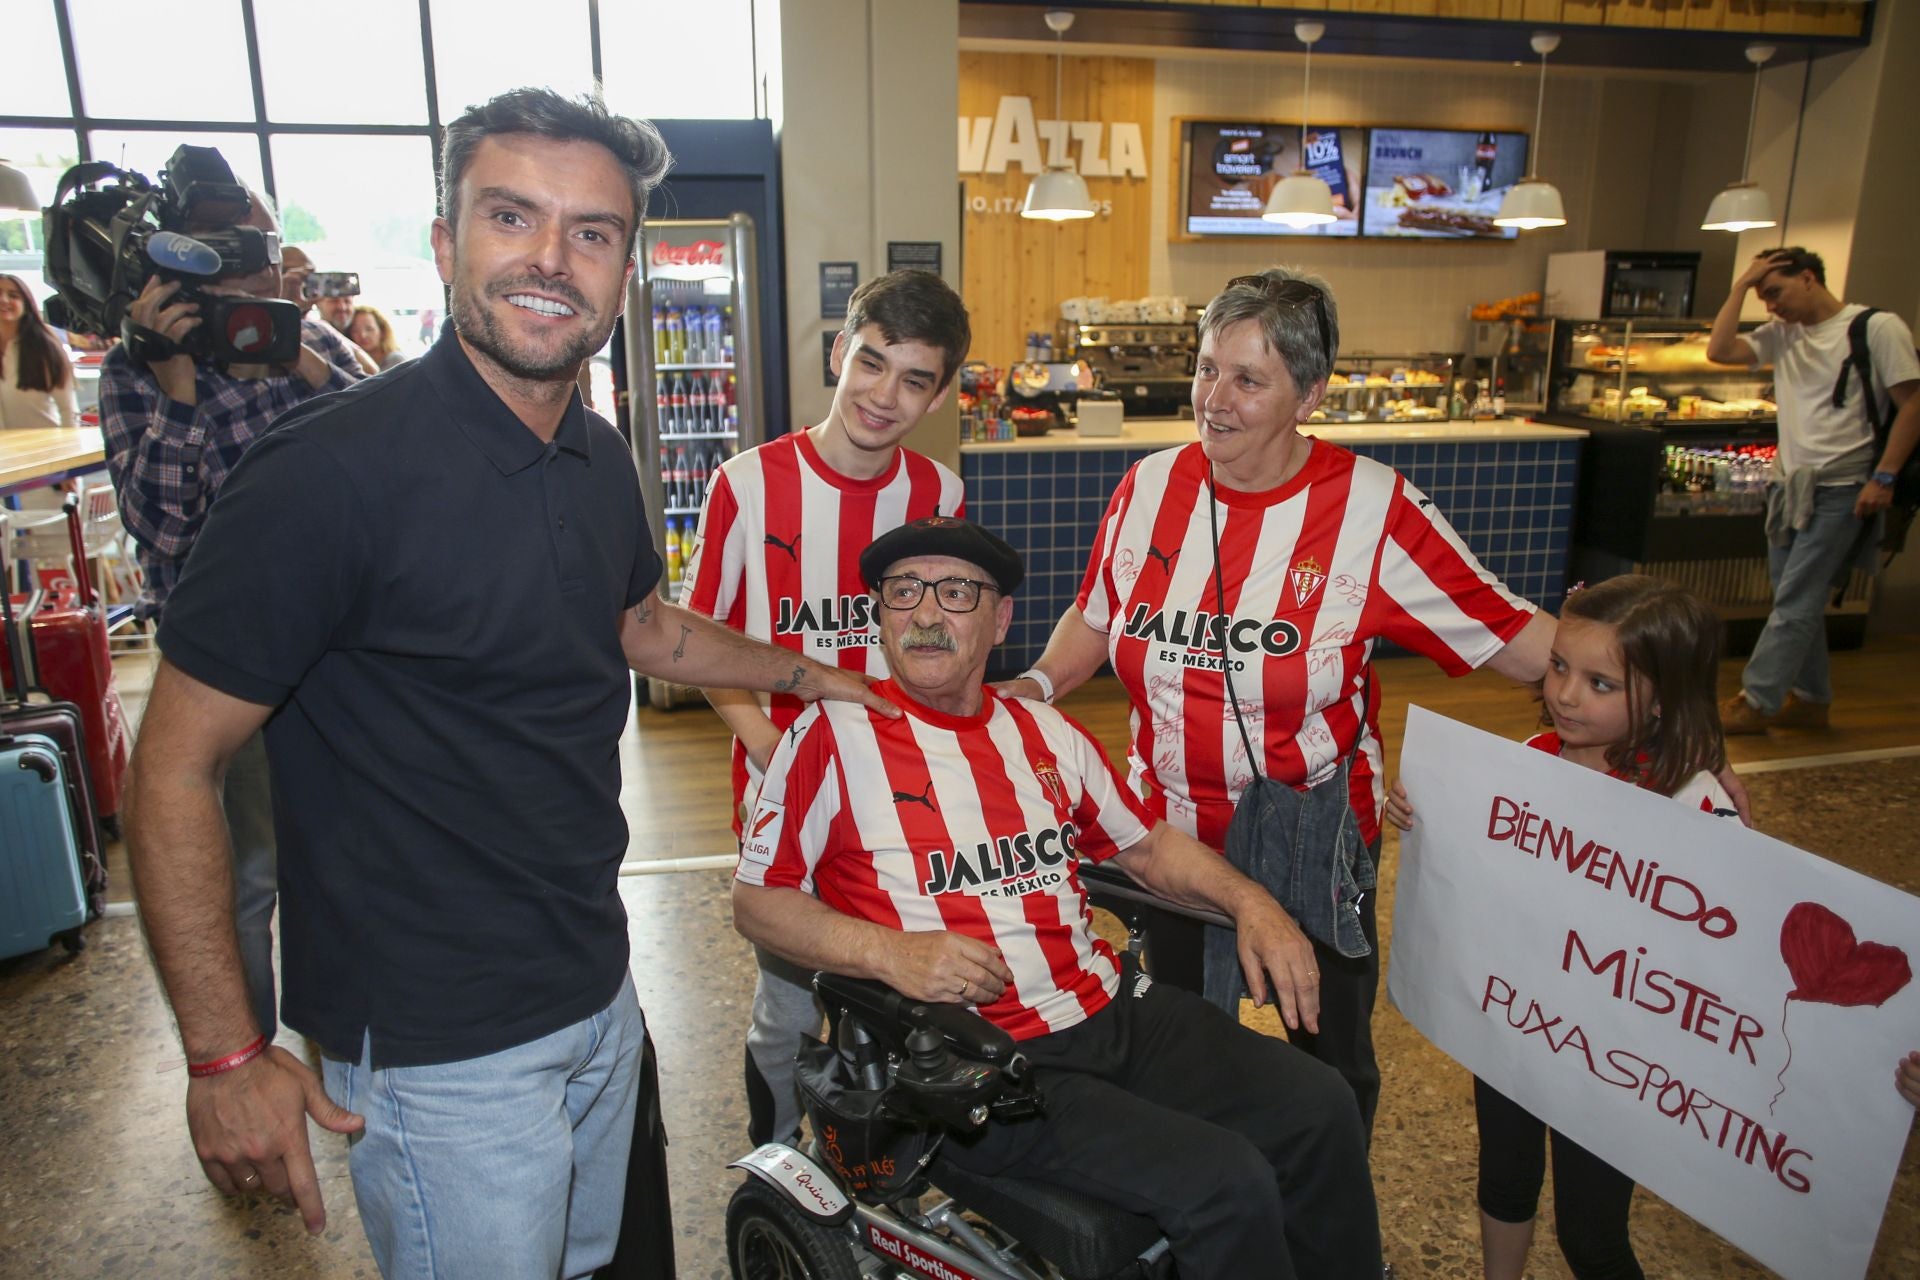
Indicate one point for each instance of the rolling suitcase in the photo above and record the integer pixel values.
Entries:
(60, 723)
(67, 633)
(41, 897)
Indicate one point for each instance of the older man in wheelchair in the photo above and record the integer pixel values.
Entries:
(984, 1039)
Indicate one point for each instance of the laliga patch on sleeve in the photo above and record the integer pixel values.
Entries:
(762, 835)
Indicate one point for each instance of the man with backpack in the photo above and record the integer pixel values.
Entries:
(1844, 379)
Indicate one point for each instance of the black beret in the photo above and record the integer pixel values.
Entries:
(943, 536)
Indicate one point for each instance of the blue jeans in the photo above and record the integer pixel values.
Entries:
(248, 802)
(1791, 654)
(513, 1165)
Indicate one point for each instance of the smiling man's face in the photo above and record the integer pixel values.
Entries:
(537, 252)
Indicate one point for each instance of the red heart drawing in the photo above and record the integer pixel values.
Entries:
(1830, 967)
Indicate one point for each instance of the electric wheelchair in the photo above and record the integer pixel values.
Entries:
(872, 1198)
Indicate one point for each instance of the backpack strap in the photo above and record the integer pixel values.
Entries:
(1860, 355)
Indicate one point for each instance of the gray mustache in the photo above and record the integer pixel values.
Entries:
(928, 638)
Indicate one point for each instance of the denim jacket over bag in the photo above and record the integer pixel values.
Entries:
(1304, 847)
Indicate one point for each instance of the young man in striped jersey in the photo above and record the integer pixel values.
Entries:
(944, 849)
(776, 557)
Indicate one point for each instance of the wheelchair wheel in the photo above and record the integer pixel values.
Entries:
(769, 1239)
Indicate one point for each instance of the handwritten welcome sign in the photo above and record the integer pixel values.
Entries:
(1715, 1013)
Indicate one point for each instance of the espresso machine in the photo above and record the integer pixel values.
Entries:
(1148, 365)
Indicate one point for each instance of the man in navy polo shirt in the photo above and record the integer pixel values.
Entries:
(430, 590)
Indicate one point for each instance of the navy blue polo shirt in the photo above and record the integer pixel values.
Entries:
(431, 598)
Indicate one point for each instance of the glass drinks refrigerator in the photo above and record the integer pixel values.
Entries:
(695, 369)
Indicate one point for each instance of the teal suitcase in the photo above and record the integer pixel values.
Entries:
(41, 896)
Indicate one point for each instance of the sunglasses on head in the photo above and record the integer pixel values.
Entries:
(1296, 293)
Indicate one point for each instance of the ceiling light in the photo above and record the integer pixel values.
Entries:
(1530, 203)
(1060, 194)
(1302, 200)
(16, 193)
(1743, 206)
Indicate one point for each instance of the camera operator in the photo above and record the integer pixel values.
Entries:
(296, 268)
(175, 429)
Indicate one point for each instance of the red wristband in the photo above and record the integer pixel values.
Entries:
(201, 1070)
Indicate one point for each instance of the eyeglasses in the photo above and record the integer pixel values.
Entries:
(1293, 293)
(953, 595)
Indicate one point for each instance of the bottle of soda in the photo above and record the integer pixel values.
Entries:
(674, 564)
(699, 476)
(726, 335)
(676, 338)
(682, 479)
(1484, 152)
(677, 400)
(730, 418)
(696, 403)
(663, 408)
(659, 335)
(716, 344)
(695, 331)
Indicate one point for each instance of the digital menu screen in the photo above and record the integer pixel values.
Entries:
(1440, 184)
(1233, 168)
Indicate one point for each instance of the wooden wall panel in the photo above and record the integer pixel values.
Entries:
(1017, 270)
(1776, 17)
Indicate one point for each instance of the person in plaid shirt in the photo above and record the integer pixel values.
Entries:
(175, 430)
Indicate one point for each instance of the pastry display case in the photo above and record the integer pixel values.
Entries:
(1370, 388)
(1651, 371)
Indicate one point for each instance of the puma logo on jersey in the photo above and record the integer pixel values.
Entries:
(1426, 502)
(1164, 557)
(788, 547)
(1004, 865)
(925, 798)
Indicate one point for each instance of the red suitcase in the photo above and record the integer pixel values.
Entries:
(60, 722)
(67, 635)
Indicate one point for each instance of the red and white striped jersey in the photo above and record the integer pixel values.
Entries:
(1314, 572)
(973, 824)
(1702, 791)
(777, 556)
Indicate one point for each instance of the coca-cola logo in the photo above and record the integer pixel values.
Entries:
(701, 253)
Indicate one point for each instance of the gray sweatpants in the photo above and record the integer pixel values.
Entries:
(784, 1010)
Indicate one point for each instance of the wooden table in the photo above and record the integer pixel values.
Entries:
(35, 457)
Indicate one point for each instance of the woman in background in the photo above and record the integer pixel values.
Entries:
(36, 379)
(370, 332)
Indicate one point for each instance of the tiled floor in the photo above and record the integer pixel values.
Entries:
(97, 1179)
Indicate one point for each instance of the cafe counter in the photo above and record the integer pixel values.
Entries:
(1507, 486)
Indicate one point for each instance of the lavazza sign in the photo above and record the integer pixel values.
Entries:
(1012, 137)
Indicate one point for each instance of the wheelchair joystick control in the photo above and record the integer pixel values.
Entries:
(929, 1051)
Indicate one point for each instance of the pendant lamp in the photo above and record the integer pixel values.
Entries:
(1743, 206)
(1530, 203)
(1060, 194)
(1302, 200)
(16, 193)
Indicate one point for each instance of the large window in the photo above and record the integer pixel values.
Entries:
(328, 109)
